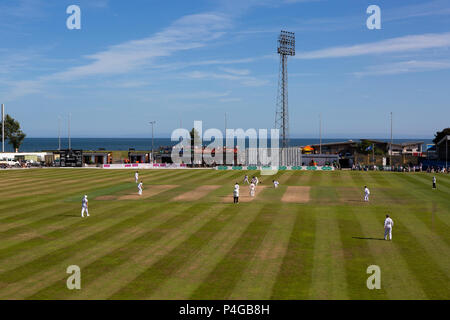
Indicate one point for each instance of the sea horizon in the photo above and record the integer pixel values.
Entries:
(34, 144)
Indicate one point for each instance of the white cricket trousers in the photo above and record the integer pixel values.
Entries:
(140, 192)
(387, 232)
(83, 210)
(366, 197)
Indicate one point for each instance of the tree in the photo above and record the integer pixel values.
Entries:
(365, 147)
(441, 134)
(13, 133)
(194, 135)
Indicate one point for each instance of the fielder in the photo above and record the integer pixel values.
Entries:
(434, 182)
(246, 179)
(388, 224)
(236, 193)
(252, 189)
(140, 188)
(366, 194)
(275, 183)
(84, 206)
(136, 176)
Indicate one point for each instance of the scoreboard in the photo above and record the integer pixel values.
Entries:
(71, 158)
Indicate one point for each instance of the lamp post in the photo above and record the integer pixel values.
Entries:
(320, 133)
(3, 128)
(59, 133)
(70, 142)
(390, 146)
(152, 123)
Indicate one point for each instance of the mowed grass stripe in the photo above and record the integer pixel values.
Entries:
(30, 214)
(51, 209)
(388, 258)
(430, 215)
(315, 178)
(299, 178)
(397, 280)
(23, 259)
(149, 280)
(63, 226)
(357, 254)
(142, 253)
(56, 276)
(441, 189)
(425, 269)
(425, 194)
(110, 261)
(258, 279)
(295, 275)
(30, 187)
(222, 280)
(402, 270)
(76, 186)
(186, 278)
(436, 247)
(49, 176)
(329, 274)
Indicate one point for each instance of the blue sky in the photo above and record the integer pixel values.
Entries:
(171, 61)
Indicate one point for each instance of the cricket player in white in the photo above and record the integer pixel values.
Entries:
(136, 176)
(246, 180)
(252, 189)
(236, 193)
(434, 182)
(140, 188)
(275, 183)
(366, 193)
(388, 224)
(84, 206)
(256, 181)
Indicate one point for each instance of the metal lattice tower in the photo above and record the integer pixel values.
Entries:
(286, 47)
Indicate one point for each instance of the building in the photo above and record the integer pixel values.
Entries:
(343, 149)
(39, 157)
(414, 148)
(97, 157)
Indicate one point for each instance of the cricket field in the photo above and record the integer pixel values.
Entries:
(311, 238)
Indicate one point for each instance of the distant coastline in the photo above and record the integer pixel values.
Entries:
(124, 144)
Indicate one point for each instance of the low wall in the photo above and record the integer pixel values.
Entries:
(140, 166)
(269, 168)
(144, 166)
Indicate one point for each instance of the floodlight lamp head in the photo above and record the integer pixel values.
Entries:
(286, 43)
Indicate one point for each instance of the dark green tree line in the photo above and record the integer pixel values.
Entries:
(13, 133)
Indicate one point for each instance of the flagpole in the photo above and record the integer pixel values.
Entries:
(373, 154)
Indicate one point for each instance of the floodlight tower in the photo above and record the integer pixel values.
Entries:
(286, 47)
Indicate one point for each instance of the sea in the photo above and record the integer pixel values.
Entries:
(125, 144)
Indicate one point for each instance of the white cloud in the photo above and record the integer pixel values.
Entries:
(400, 44)
(405, 67)
(189, 32)
(200, 95)
(22, 9)
(245, 80)
(429, 8)
(238, 72)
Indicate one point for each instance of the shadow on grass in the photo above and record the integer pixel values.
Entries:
(69, 215)
(361, 238)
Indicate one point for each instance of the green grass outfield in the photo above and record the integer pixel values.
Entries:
(159, 248)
